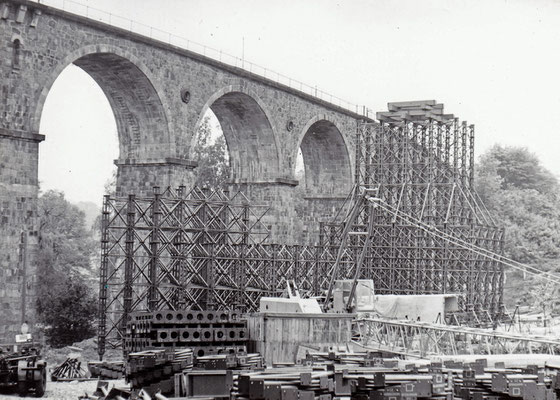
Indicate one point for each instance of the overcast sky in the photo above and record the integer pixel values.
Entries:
(495, 64)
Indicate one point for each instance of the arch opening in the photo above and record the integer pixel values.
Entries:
(141, 121)
(108, 100)
(81, 138)
(211, 153)
(250, 138)
(324, 165)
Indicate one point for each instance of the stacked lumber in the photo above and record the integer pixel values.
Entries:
(206, 332)
(106, 369)
(154, 370)
(70, 369)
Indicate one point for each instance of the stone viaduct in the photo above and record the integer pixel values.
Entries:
(158, 94)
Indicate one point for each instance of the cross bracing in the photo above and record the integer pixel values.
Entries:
(209, 249)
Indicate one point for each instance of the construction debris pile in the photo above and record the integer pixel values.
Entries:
(69, 370)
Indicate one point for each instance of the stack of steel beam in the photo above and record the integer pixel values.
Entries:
(364, 359)
(106, 369)
(230, 361)
(332, 376)
(154, 370)
(215, 380)
(206, 332)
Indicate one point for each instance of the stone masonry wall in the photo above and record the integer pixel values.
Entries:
(159, 95)
(18, 228)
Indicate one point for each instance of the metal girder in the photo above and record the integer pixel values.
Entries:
(424, 339)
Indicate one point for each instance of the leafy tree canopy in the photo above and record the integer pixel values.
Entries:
(523, 196)
(64, 240)
(211, 153)
(517, 168)
(65, 303)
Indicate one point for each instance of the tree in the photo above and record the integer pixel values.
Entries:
(68, 310)
(64, 300)
(64, 240)
(524, 197)
(212, 155)
(517, 168)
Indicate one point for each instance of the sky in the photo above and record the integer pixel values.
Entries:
(493, 63)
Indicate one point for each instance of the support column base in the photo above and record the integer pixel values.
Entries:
(139, 177)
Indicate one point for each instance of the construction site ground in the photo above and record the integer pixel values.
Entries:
(72, 389)
(86, 351)
(66, 390)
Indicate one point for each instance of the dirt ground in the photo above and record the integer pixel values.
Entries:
(66, 390)
(85, 351)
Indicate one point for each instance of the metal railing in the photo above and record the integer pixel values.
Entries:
(151, 32)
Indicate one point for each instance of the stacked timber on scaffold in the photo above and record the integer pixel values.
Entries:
(431, 233)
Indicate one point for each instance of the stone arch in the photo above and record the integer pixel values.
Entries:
(138, 106)
(252, 141)
(327, 162)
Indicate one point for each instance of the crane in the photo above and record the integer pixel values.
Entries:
(365, 198)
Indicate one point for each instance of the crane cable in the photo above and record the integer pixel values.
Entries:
(481, 251)
(466, 245)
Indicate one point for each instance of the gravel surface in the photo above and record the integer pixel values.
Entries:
(66, 390)
(85, 351)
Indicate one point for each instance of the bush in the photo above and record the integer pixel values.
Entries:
(68, 309)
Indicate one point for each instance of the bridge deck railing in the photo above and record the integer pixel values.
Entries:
(151, 32)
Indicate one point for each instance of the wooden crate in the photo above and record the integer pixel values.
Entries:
(279, 337)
